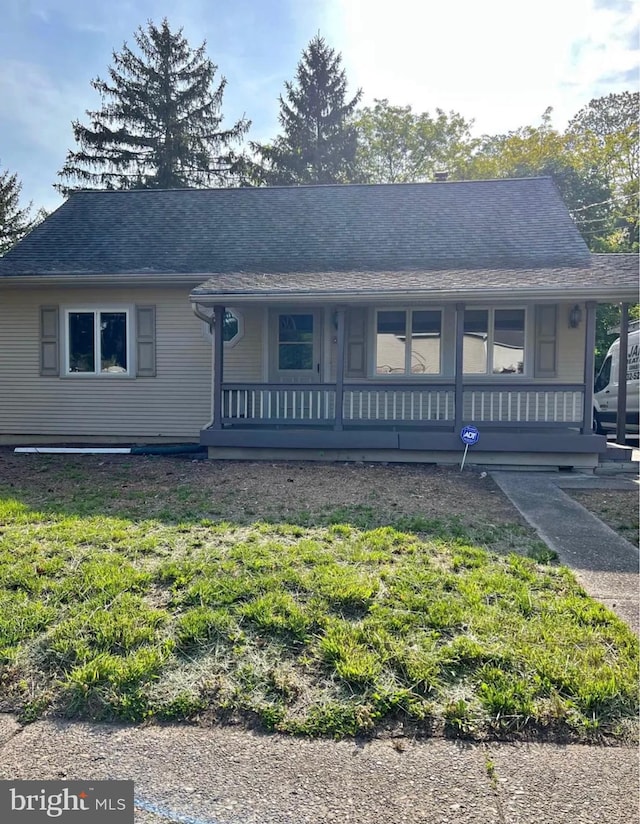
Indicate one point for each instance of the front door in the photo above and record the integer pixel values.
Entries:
(295, 350)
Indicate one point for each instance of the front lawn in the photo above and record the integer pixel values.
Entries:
(160, 588)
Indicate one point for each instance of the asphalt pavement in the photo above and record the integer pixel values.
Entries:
(226, 775)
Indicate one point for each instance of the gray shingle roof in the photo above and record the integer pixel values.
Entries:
(489, 224)
(602, 275)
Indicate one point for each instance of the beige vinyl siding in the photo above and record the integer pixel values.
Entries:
(176, 403)
(570, 346)
(243, 362)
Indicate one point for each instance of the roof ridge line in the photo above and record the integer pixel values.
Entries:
(294, 187)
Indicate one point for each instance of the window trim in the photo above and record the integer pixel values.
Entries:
(96, 310)
(407, 374)
(488, 373)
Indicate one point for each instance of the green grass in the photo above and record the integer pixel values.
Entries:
(329, 624)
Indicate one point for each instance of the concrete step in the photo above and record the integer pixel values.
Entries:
(617, 468)
(618, 459)
(617, 452)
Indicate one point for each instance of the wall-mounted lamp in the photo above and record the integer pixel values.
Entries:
(575, 316)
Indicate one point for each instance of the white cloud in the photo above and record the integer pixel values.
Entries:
(498, 61)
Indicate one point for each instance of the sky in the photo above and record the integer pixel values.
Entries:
(498, 62)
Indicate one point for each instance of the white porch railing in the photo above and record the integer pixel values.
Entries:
(368, 404)
(523, 405)
(398, 404)
(264, 403)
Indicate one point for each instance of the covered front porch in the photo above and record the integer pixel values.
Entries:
(342, 410)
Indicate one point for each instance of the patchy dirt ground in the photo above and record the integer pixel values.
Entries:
(617, 508)
(245, 491)
(240, 491)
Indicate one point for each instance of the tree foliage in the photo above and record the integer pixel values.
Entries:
(594, 163)
(318, 140)
(543, 150)
(604, 116)
(160, 122)
(15, 221)
(610, 126)
(398, 145)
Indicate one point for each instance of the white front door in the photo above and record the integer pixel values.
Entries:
(295, 346)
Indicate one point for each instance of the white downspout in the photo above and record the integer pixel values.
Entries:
(208, 319)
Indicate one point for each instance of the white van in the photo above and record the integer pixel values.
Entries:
(605, 399)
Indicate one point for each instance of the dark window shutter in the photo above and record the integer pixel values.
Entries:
(146, 341)
(356, 338)
(49, 341)
(546, 355)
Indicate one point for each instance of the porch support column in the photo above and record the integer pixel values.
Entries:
(589, 364)
(621, 425)
(459, 395)
(218, 351)
(340, 347)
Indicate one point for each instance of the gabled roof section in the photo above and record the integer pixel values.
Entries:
(394, 227)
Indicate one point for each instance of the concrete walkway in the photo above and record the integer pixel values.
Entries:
(230, 776)
(605, 563)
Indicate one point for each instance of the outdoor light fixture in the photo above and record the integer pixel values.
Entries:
(575, 316)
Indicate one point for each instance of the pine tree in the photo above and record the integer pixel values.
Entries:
(159, 125)
(318, 144)
(14, 221)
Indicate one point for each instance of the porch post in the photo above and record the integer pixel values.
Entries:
(621, 425)
(589, 363)
(459, 393)
(218, 350)
(340, 346)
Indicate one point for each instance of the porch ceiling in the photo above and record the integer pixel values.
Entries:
(604, 278)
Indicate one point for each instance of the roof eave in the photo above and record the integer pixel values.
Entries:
(609, 295)
(80, 279)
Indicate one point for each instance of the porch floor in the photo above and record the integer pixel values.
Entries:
(562, 447)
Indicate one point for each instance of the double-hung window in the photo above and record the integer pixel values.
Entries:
(408, 342)
(494, 341)
(97, 342)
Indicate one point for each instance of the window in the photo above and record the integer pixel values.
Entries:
(232, 328)
(494, 341)
(97, 342)
(408, 342)
(295, 342)
(604, 375)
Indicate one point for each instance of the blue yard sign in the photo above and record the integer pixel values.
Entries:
(469, 436)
